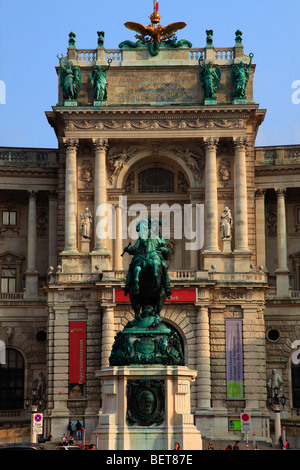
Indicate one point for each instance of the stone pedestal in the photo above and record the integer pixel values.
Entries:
(146, 407)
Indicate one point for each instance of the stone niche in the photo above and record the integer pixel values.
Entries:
(146, 407)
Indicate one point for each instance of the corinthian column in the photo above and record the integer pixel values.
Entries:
(240, 195)
(211, 195)
(100, 198)
(71, 197)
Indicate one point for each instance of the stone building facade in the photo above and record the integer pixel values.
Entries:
(155, 140)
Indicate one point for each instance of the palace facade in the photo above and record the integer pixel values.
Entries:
(155, 140)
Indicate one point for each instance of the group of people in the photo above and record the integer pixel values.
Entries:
(69, 441)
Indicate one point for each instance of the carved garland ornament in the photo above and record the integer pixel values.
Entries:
(156, 124)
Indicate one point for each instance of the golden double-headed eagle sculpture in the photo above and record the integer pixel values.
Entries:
(154, 31)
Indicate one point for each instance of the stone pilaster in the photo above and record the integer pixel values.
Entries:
(282, 272)
(240, 196)
(52, 237)
(260, 227)
(31, 272)
(71, 197)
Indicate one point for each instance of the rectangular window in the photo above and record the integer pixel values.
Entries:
(8, 280)
(9, 218)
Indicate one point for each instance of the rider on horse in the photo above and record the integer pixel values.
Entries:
(150, 248)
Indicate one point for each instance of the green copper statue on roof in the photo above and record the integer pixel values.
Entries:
(99, 81)
(70, 80)
(210, 77)
(240, 75)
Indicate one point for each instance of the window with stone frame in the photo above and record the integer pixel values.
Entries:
(10, 272)
(156, 180)
(9, 218)
(8, 280)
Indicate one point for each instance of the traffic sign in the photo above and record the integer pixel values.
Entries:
(246, 423)
(37, 423)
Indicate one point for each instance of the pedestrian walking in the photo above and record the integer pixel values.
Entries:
(78, 430)
(236, 445)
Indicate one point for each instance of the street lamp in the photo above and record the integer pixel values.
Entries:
(37, 404)
(276, 403)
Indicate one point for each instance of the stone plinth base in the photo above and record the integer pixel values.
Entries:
(210, 101)
(99, 103)
(282, 283)
(146, 408)
(71, 103)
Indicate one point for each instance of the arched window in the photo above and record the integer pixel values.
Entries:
(156, 180)
(12, 381)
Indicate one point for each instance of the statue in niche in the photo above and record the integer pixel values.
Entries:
(100, 82)
(226, 224)
(86, 174)
(40, 385)
(224, 172)
(240, 75)
(210, 77)
(70, 80)
(86, 223)
(274, 382)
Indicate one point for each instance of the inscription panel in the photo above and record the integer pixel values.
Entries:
(137, 87)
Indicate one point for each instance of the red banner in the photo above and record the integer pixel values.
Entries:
(77, 351)
(178, 295)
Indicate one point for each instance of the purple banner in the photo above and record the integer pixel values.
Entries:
(234, 359)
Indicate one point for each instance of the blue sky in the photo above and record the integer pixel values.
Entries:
(33, 32)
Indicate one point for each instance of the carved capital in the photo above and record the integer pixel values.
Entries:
(32, 195)
(280, 192)
(260, 193)
(100, 145)
(211, 143)
(240, 143)
(70, 144)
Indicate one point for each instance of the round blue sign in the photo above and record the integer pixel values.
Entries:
(245, 417)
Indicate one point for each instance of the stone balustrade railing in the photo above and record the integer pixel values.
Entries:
(287, 155)
(177, 275)
(90, 57)
(11, 296)
(34, 158)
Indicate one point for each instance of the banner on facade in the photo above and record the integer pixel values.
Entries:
(77, 352)
(178, 295)
(234, 359)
